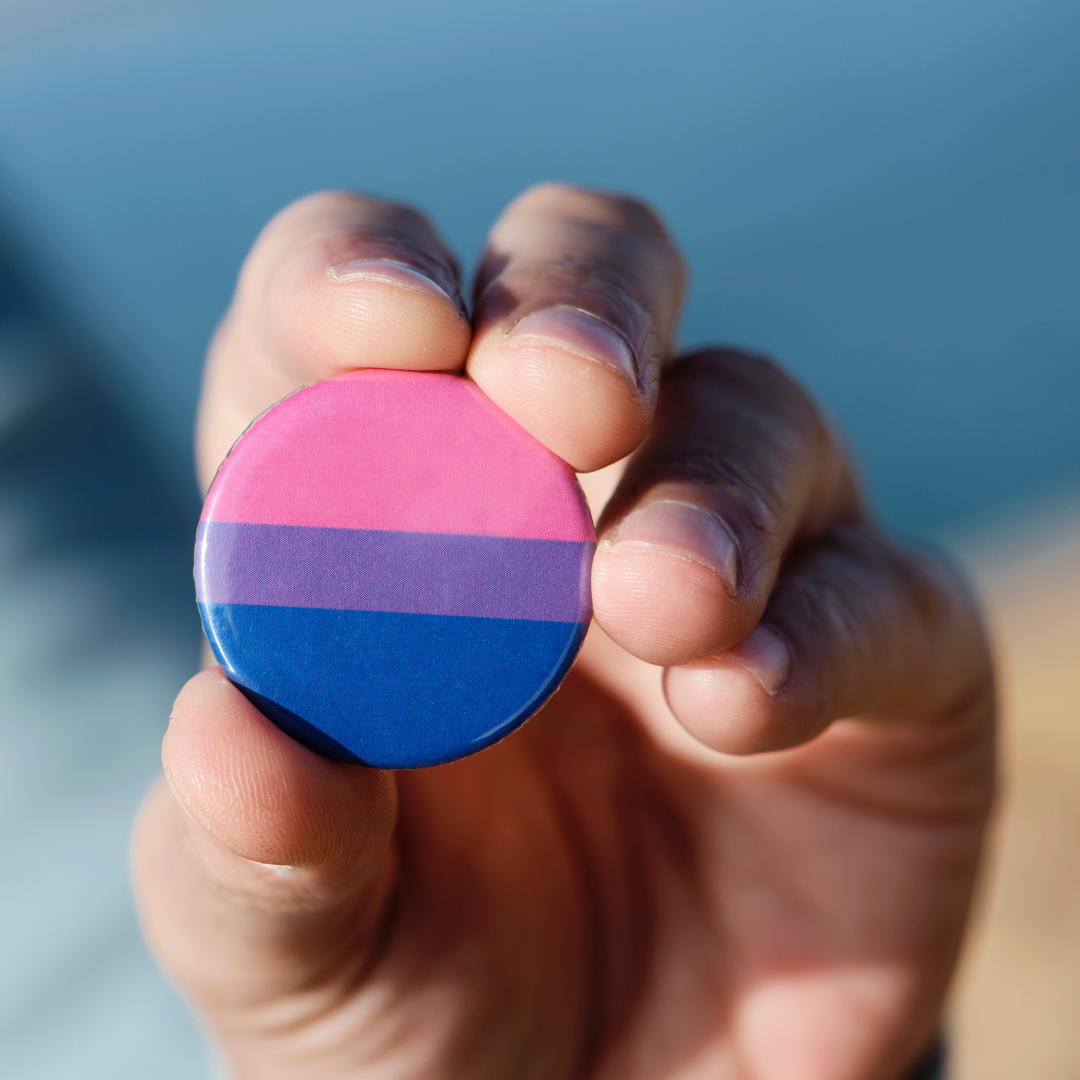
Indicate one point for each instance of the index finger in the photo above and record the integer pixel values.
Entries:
(335, 282)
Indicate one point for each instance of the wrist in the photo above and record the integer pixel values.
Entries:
(932, 1064)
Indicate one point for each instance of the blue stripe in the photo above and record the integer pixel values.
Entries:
(493, 577)
(387, 689)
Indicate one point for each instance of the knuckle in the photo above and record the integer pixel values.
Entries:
(876, 580)
(610, 207)
(753, 380)
(569, 271)
(831, 586)
(329, 214)
(606, 290)
(559, 244)
(738, 399)
(299, 216)
(935, 584)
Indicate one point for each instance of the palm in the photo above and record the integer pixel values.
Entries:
(583, 900)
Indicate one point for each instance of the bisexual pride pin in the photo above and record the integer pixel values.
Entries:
(392, 570)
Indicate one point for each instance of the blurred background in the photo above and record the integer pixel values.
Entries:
(884, 196)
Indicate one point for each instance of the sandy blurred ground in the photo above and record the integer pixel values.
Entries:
(1016, 1009)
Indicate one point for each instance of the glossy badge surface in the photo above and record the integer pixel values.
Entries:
(392, 570)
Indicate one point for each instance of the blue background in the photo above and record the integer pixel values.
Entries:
(886, 196)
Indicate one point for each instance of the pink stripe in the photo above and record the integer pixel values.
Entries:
(398, 450)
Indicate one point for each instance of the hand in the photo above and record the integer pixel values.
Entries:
(739, 842)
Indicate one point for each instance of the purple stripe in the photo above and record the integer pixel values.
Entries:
(492, 577)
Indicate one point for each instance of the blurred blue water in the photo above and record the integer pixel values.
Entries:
(886, 196)
(97, 632)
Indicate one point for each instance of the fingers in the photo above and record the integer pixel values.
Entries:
(737, 468)
(855, 627)
(577, 295)
(735, 553)
(261, 859)
(337, 281)
(577, 298)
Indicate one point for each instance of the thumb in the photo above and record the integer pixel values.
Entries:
(259, 866)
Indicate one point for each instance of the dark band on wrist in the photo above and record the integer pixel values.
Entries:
(932, 1065)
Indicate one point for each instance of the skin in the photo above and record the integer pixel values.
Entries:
(739, 842)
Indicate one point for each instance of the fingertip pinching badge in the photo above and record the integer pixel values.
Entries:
(392, 570)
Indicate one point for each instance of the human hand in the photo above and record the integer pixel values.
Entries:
(741, 839)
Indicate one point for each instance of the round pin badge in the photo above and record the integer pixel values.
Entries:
(392, 570)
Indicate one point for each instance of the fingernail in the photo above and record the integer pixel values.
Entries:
(685, 529)
(765, 653)
(577, 330)
(394, 273)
